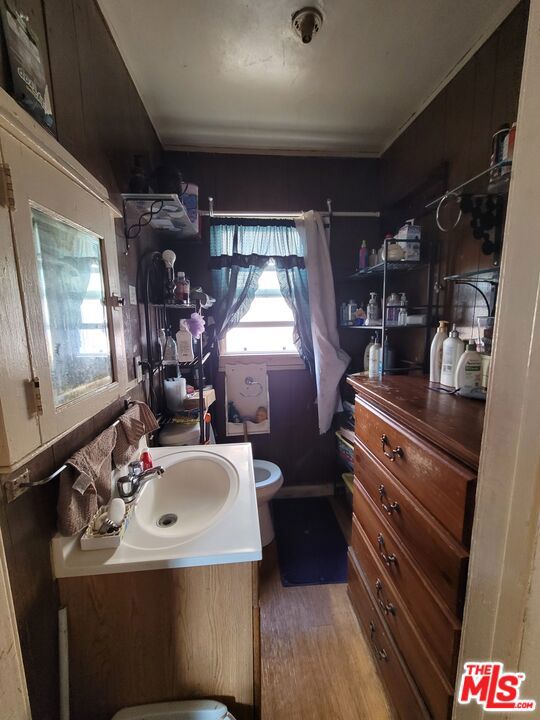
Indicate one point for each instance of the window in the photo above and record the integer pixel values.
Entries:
(268, 325)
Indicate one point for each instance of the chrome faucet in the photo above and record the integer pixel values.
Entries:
(130, 485)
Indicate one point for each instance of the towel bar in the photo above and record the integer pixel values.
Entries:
(18, 485)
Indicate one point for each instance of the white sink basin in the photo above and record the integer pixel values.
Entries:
(194, 492)
(201, 511)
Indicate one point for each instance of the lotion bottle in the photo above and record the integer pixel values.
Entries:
(435, 358)
(366, 353)
(375, 359)
(469, 368)
(184, 342)
(452, 350)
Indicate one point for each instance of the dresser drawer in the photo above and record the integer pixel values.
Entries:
(434, 686)
(440, 556)
(439, 627)
(401, 688)
(444, 486)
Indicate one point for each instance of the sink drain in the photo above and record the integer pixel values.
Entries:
(167, 520)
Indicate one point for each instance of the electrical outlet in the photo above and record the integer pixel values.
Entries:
(138, 368)
(132, 295)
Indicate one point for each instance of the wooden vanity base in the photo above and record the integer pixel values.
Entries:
(162, 635)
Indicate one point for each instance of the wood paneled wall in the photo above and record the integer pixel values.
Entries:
(456, 129)
(100, 119)
(286, 183)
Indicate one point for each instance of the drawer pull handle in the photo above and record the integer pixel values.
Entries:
(394, 452)
(387, 607)
(389, 506)
(381, 654)
(388, 559)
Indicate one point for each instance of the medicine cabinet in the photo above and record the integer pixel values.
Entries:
(62, 356)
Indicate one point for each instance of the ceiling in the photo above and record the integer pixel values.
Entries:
(231, 74)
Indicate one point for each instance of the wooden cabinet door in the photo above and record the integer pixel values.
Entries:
(66, 255)
(19, 424)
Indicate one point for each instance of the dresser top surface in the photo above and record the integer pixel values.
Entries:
(453, 423)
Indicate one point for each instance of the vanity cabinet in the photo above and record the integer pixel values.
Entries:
(62, 350)
(159, 635)
(415, 465)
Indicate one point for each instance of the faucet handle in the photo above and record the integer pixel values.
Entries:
(135, 469)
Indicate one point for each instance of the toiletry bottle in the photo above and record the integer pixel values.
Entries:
(469, 368)
(184, 341)
(181, 289)
(146, 459)
(170, 354)
(375, 359)
(162, 340)
(351, 312)
(363, 256)
(360, 315)
(373, 310)
(392, 308)
(402, 315)
(452, 350)
(372, 258)
(366, 353)
(388, 354)
(343, 314)
(435, 357)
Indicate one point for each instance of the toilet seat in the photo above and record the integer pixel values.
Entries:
(266, 473)
(181, 710)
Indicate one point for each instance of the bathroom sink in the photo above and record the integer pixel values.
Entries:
(195, 491)
(201, 511)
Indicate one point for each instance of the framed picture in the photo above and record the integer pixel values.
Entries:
(27, 71)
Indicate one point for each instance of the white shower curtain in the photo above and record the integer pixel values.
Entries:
(330, 360)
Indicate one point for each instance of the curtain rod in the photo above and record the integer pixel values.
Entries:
(286, 215)
(282, 215)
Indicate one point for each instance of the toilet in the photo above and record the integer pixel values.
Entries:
(268, 480)
(181, 710)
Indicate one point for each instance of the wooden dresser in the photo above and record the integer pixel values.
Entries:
(415, 466)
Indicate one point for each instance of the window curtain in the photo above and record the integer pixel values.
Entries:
(240, 251)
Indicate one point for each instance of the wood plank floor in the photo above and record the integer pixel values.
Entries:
(315, 662)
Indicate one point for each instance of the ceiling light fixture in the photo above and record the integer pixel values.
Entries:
(306, 23)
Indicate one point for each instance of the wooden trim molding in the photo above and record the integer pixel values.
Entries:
(17, 122)
(504, 593)
(276, 361)
(13, 693)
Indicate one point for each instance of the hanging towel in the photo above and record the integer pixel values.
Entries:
(86, 483)
(139, 420)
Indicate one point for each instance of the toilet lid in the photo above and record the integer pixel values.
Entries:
(181, 710)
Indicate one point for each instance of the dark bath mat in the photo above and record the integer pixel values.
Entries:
(311, 547)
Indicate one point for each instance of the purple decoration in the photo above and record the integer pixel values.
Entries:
(195, 325)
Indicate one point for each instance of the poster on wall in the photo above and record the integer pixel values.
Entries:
(27, 71)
